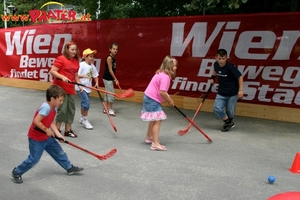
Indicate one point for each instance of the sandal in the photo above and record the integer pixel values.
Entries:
(148, 140)
(71, 134)
(158, 147)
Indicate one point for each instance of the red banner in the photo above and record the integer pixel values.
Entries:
(264, 47)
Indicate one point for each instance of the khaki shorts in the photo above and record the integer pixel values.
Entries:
(109, 86)
(66, 111)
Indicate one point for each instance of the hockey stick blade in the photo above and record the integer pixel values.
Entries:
(187, 118)
(100, 157)
(129, 93)
(107, 155)
(183, 132)
(126, 94)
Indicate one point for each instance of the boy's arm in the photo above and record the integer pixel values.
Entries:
(96, 82)
(56, 131)
(241, 87)
(78, 81)
(213, 76)
(37, 121)
(95, 76)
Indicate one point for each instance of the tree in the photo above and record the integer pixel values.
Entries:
(117, 9)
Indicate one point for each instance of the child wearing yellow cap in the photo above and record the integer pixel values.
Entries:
(87, 72)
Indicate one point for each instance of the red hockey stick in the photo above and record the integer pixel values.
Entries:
(192, 123)
(182, 132)
(104, 106)
(100, 157)
(126, 94)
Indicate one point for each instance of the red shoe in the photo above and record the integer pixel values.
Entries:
(70, 134)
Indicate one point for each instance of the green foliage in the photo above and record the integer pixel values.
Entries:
(157, 8)
(117, 9)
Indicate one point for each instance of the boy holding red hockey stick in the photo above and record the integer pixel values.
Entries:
(41, 136)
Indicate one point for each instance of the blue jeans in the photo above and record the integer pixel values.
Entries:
(225, 106)
(36, 149)
(85, 100)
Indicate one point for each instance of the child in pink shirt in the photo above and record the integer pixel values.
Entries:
(155, 93)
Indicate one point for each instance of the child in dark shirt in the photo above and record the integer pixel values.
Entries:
(230, 89)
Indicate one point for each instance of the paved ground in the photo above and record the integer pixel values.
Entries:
(235, 166)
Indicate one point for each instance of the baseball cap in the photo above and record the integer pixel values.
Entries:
(88, 51)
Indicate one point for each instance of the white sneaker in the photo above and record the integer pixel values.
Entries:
(81, 120)
(112, 112)
(86, 124)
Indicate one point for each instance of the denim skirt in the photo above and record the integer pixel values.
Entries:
(151, 110)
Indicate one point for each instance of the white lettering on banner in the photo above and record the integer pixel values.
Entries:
(23, 74)
(189, 85)
(25, 62)
(206, 68)
(34, 44)
(286, 45)
(284, 77)
(251, 90)
(288, 76)
(245, 42)
(251, 71)
(45, 75)
(270, 73)
(197, 35)
(285, 96)
(273, 73)
(40, 74)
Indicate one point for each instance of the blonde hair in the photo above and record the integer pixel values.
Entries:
(167, 66)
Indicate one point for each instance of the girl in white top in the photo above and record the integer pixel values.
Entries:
(87, 72)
